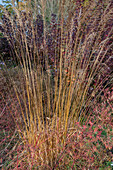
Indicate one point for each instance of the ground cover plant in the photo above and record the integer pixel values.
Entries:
(56, 98)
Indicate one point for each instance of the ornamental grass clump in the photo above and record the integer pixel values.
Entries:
(63, 57)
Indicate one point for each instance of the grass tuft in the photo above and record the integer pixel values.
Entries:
(63, 57)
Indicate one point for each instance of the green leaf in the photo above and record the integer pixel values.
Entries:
(104, 133)
(86, 2)
(7, 2)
